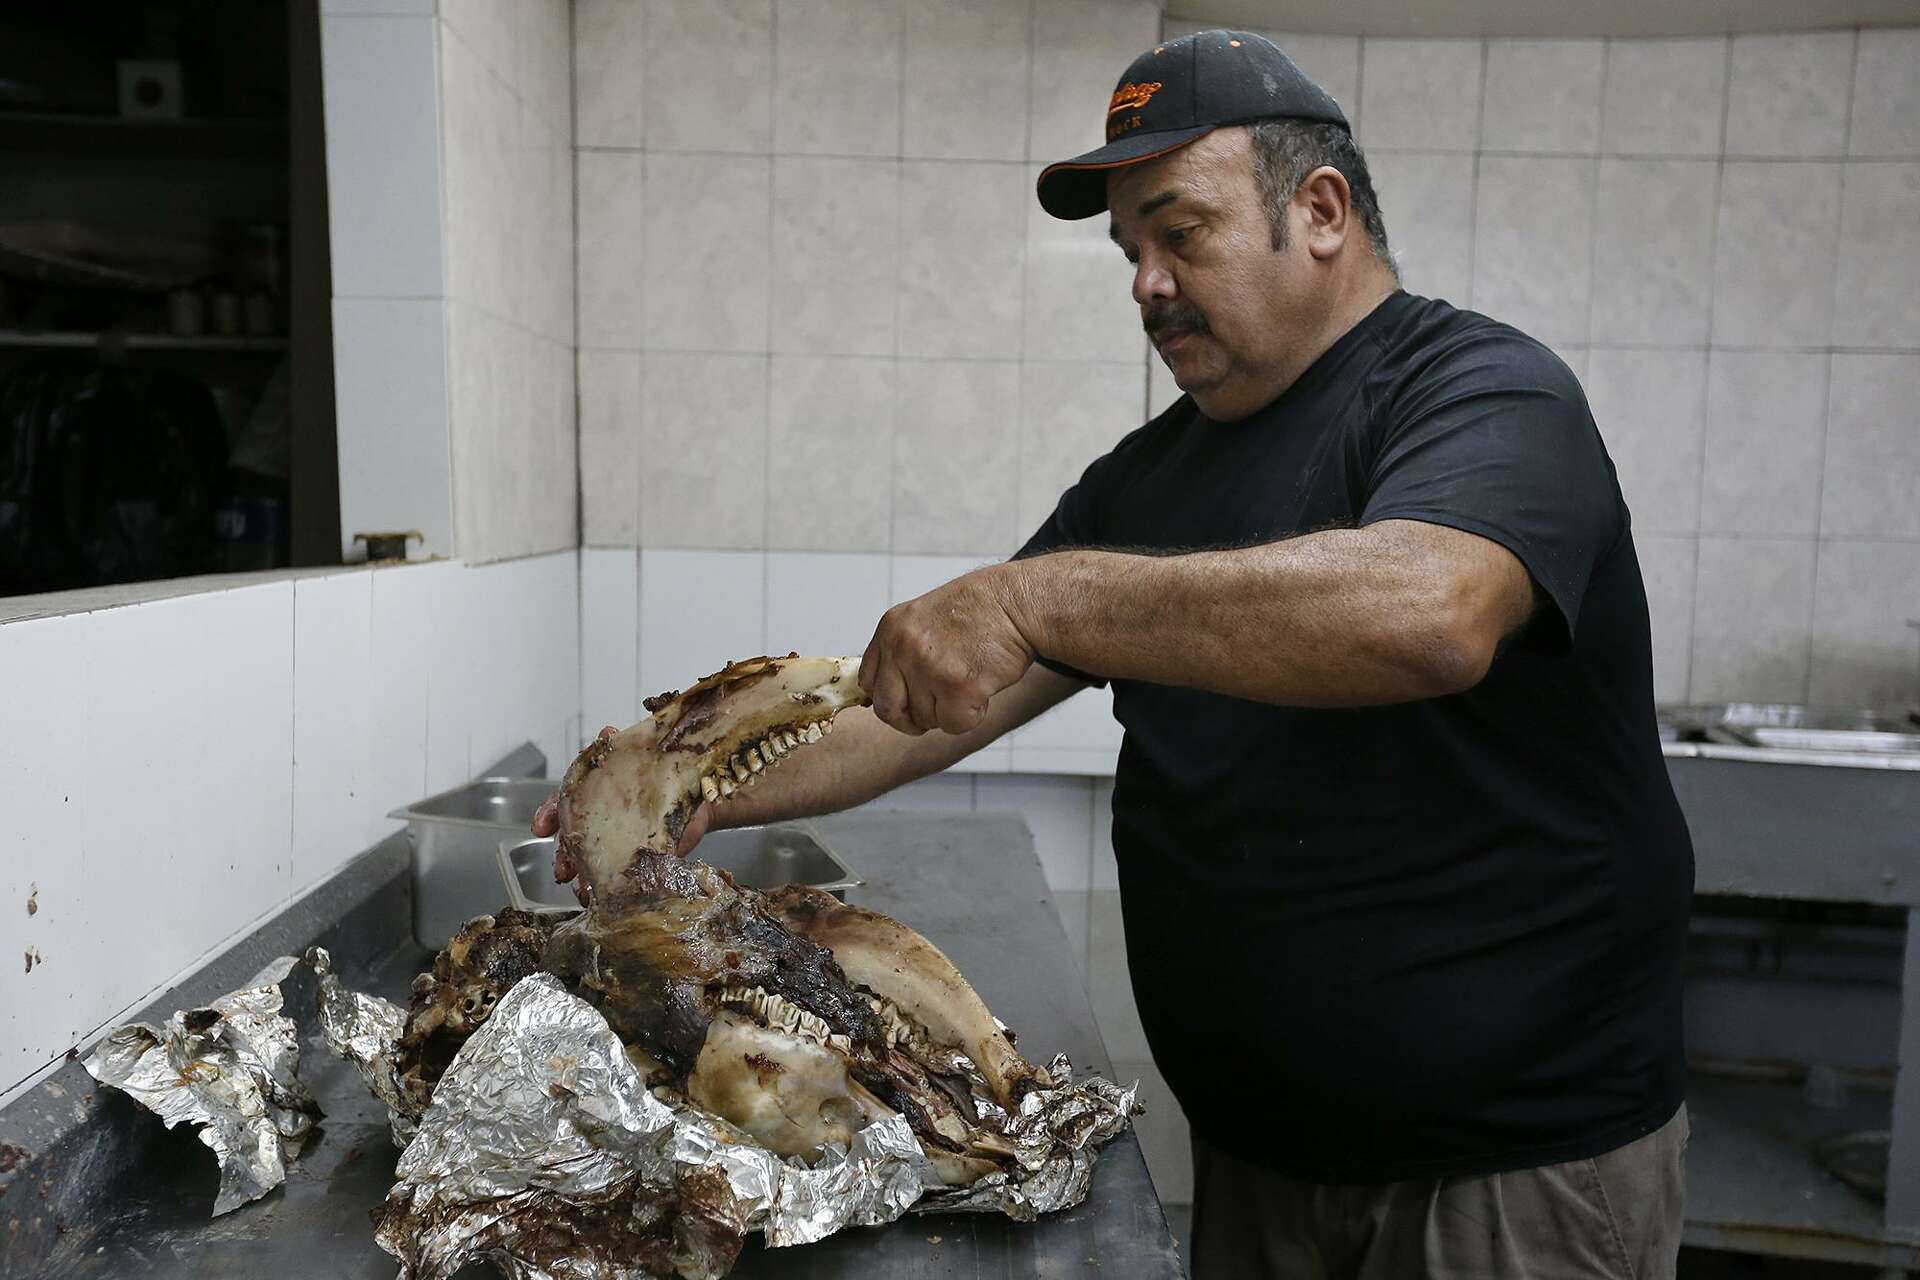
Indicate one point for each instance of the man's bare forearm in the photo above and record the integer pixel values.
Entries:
(863, 758)
(1391, 612)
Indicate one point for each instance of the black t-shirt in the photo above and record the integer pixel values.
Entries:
(1432, 939)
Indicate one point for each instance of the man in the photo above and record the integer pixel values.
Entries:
(1405, 884)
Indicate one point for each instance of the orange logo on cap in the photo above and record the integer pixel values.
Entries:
(1132, 95)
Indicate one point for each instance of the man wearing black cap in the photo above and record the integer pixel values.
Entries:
(1404, 880)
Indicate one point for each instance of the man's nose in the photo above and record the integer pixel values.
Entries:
(1152, 281)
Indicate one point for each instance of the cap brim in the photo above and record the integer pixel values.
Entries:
(1077, 188)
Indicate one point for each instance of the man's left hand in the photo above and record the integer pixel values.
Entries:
(936, 660)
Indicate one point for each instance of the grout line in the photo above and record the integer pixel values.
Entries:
(1826, 385)
(1504, 153)
(1593, 206)
(1713, 290)
(1473, 196)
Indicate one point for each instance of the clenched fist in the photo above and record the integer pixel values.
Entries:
(936, 660)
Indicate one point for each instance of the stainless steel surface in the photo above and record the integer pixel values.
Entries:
(758, 857)
(124, 1196)
(1831, 739)
(493, 802)
(455, 838)
(1785, 733)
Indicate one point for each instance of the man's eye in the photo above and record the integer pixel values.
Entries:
(1177, 235)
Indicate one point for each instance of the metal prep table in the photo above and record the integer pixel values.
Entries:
(1807, 826)
(92, 1186)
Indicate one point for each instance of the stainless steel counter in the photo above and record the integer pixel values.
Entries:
(98, 1188)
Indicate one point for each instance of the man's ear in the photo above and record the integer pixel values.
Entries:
(1329, 206)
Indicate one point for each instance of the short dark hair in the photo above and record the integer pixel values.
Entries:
(1286, 151)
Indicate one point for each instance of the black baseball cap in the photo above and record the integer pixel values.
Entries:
(1179, 91)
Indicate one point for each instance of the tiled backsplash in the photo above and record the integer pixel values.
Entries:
(175, 771)
(1716, 234)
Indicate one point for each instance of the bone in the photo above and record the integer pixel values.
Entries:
(740, 771)
(754, 760)
(726, 786)
(708, 790)
(813, 733)
(620, 792)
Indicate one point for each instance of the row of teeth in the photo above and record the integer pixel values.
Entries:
(783, 1015)
(744, 769)
(899, 1029)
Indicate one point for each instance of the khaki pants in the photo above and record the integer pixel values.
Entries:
(1614, 1217)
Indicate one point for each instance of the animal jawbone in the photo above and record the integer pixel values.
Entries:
(633, 793)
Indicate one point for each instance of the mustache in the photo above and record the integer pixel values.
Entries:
(1172, 317)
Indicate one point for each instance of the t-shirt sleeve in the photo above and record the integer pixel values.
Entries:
(1495, 438)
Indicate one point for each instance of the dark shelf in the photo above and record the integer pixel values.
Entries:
(51, 133)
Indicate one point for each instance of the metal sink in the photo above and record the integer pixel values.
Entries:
(1792, 734)
(757, 857)
(1792, 739)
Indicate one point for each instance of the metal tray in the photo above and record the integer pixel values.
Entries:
(758, 857)
(455, 838)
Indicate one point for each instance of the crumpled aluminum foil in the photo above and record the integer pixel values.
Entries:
(544, 1151)
(229, 1067)
(365, 1030)
(1054, 1136)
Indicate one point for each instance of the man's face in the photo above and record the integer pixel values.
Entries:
(1222, 306)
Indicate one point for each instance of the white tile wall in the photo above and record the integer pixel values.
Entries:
(1059, 812)
(296, 711)
(966, 61)
(836, 77)
(1774, 262)
(1872, 474)
(1653, 251)
(831, 417)
(1766, 411)
(961, 258)
(1651, 407)
(1886, 94)
(391, 421)
(1788, 94)
(1753, 605)
(608, 37)
(1420, 94)
(825, 604)
(836, 230)
(1426, 198)
(1879, 273)
(1864, 651)
(383, 155)
(1667, 564)
(1543, 95)
(1665, 97)
(704, 239)
(1578, 188)
(724, 590)
(707, 72)
(332, 718)
(956, 441)
(609, 637)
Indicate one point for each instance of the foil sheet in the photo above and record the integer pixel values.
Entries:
(544, 1152)
(1054, 1136)
(365, 1030)
(229, 1067)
